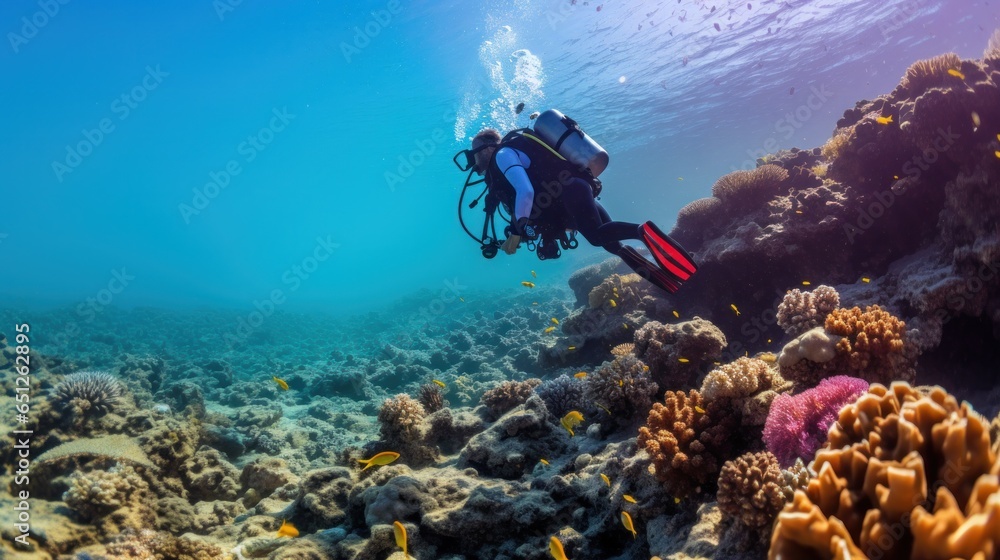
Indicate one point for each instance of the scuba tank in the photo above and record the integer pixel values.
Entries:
(566, 137)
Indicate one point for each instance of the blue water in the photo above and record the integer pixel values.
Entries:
(336, 93)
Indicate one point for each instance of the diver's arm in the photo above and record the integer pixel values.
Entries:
(513, 169)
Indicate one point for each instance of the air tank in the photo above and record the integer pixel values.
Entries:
(565, 136)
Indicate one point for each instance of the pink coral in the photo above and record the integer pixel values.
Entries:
(796, 425)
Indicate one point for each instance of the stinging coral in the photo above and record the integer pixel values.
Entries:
(89, 392)
(400, 418)
(751, 489)
(509, 394)
(750, 187)
(800, 311)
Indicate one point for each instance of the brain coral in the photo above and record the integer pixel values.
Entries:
(508, 395)
(687, 439)
(751, 489)
(750, 187)
(89, 392)
(800, 311)
(873, 344)
(623, 387)
(400, 418)
(904, 474)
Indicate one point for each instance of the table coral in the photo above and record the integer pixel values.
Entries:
(893, 457)
(750, 489)
(687, 439)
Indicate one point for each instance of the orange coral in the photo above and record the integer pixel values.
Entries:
(873, 343)
(887, 455)
(748, 187)
(687, 439)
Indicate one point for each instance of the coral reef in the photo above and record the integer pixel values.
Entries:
(508, 395)
(563, 394)
(801, 311)
(750, 489)
(617, 287)
(152, 545)
(901, 471)
(748, 188)
(797, 424)
(688, 440)
(873, 343)
(623, 388)
(98, 493)
(676, 352)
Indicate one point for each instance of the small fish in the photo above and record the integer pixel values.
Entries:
(798, 211)
(997, 153)
(544, 462)
(683, 360)
(528, 284)
(549, 329)
(287, 530)
(621, 383)
(699, 409)
(554, 321)
(717, 28)
(896, 177)
(956, 73)
(734, 308)
(606, 480)
(556, 549)
(628, 498)
(534, 115)
(519, 108)
(677, 500)
(461, 299)
(439, 383)
(580, 374)
(975, 121)
(645, 368)
(571, 420)
(680, 178)
(604, 408)
(791, 91)
(998, 135)
(400, 532)
(625, 326)
(866, 279)
(571, 348)
(769, 341)
(806, 283)
(769, 358)
(676, 314)
(533, 275)
(884, 120)
(383, 458)
(612, 303)
(534, 303)
(281, 383)
(627, 522)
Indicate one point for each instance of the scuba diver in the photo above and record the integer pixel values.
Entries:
(546, 181)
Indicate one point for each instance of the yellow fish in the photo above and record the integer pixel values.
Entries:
(606, 480)
(798, 211)
(549, 329)
(556, 549)
(533, 275)
(628, 498)
(680, 178)
(383, 458)
(895, 177)
(806, 283)
(571, 420)
(625, 326)
(554, 321)
(866, 279)
(627, 522)
(612, 302)
(528, 284)
(534, 303)
(676, 314)
(621, 383)
(956, 73)
(734, 308)
(677, 500)
(604, 408)
(699, 409)
(544, 462)
(975, 121)
(884, 120)
(996, 153)
(461, 299)
(439, 383)
(580, 374)
(287, 530)
(769, 358)
(571, 348)
(683, 360)
(281, 383)
(769, 341)
(400, 532)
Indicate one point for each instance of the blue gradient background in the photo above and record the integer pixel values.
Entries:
(619, 71)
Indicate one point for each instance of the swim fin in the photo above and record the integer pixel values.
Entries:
(668, 253)
(647, 270)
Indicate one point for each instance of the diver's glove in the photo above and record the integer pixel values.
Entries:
(522, 229)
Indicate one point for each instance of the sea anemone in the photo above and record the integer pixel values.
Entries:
(93, 392)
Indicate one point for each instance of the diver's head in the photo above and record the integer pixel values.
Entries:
(489, 138)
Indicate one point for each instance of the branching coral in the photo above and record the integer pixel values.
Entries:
(750, 187)
(563, 394)
(623, 387)
(400, 418)
(797, 425)
(750, 489)
(431, 397)
(925, 74)
(892, 457)
(800, 311)
(873, 343)
(508, 395)
(89, 392)
(687, 439)
(674, 353)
